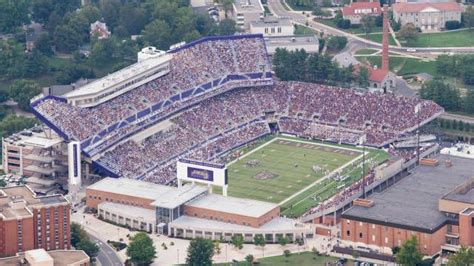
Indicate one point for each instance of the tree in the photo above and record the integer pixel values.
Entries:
(249, 259)
(42, 10)
(217, 247)
(141, 250)
(337, 43)
(452, 24)
(259, 240)
(409, 254)
(442, 93)
(77, 234)
(72, 73)
(408, 33)
(21, 91)
(200, 252)
(89, 247)
(43, 44)
(465, 256)
(12, 124)
(66, 39)
(283, 240)
(469, 101)
(363, 78)
(35, 64)
(341, 22)
(227, 27)
(396, 249)
(468, 17)
(103, 50)
(92, 13)
(157, 33)
(80, 240)
(3, 183)
(13, 14)
(355, 254)
(227, 6)
(367, 23)
(238, 241)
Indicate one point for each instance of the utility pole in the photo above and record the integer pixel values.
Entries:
(417, 111)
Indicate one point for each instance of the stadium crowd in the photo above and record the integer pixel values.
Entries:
(221, 123)
(190, 67)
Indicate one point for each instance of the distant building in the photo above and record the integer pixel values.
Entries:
(188, 211)
(33, 32)
(272, 26)
(41, 257)
(381, 79)
(99, 30)
(427, 16)
(201, 3)
(357, 10)
(435, 203)
(28, 221)
(246, 11)
(309, 43)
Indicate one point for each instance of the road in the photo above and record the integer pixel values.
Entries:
(277, 8)
(106, 255)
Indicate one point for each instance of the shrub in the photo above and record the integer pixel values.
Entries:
(452, 25)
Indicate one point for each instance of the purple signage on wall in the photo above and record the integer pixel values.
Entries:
(201, 174)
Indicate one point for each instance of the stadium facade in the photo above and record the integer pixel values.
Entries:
(203, 99)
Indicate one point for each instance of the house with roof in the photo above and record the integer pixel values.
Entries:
(427, 16)
(381, 79)
(99, 29)
(357, 10)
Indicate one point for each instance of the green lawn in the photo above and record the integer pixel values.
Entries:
(366, 51)
(444, 39)
(302, 30)
(353, 30)
(377, 37)
(288, 166)
(404, 66)
(301, 259)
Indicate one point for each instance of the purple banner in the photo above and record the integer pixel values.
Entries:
(201, 174)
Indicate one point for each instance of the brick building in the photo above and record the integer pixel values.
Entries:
(435, 203)
(357, 10)
(188, 211)
(30, 222)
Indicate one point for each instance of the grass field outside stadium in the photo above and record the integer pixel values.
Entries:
(294, 172)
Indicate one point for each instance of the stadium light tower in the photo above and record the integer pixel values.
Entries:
(417, 112)
(362, 141)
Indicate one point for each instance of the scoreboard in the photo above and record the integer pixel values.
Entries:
(202, 172)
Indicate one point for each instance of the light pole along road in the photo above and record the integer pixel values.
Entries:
(277, 8)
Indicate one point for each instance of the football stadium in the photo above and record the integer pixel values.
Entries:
(215, 101)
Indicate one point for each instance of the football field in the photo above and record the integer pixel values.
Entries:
(280, 168)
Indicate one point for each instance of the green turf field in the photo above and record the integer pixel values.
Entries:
(280, 168)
